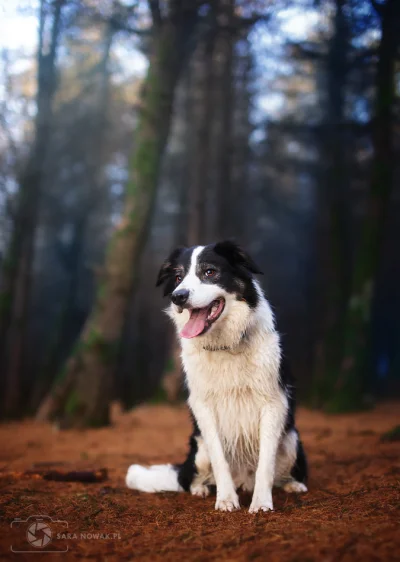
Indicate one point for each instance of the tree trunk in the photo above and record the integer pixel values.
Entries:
(16, 281)
(203, 110)
(224, 51)
(355, 364)
(334, 221)
(242, 153)
(91, 368)
(72, 253)
(200, 96)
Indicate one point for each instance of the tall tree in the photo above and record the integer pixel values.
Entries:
(334, 242)
(202, 99)
(16, 277)
(356, 357)
(86, 389)
(91, 173)
(225, 49)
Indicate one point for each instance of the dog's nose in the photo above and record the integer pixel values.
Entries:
(180, 297)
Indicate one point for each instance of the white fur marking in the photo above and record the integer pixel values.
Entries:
(157, 478)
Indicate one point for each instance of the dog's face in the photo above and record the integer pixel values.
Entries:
(206, 284)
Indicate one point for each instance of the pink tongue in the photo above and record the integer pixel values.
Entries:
(196, 323)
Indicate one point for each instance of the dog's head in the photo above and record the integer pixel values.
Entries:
(207, 284)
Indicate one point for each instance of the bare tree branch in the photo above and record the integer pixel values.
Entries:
(154, 6)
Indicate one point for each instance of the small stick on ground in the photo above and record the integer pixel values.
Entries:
(86, 476)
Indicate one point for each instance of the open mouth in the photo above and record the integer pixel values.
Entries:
(201, 319)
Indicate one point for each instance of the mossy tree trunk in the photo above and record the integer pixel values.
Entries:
(355, 366)
(83, 394)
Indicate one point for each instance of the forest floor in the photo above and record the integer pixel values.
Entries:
(351, 512)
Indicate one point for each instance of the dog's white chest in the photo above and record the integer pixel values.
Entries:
(235, 387)
(238, 420)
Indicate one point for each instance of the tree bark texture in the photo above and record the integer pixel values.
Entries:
(91, 367)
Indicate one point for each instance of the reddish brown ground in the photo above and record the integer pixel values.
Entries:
(351, 512)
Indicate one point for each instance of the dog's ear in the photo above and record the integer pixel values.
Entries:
(167, 266)
(236, 256)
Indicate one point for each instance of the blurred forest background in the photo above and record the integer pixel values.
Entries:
(129, 127)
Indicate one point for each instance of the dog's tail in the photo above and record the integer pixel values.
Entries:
(156, 478)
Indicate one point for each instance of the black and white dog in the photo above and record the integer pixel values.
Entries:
(240, 389)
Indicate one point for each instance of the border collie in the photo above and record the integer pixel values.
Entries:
(240, 389)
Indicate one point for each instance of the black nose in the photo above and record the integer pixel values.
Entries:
(180, 297)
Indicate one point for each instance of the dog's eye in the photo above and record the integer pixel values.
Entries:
(178, 278)
(209, 272)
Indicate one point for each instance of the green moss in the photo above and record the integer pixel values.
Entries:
(60, 376)
(93, 338)
(392, 435)
(72, 404)
(170, 365)
(109, 352)
(159, 397)
(344, 402)
(102, 290)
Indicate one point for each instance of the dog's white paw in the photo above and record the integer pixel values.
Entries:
(295, 487)
(228, 503)
(261, 504)
(200, 490)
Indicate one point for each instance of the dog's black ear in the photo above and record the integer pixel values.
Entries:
(167, 266)
(236, 256)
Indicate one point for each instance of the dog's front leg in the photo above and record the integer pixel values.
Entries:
(271, 427)
(227, 498)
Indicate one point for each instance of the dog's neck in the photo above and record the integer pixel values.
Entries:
(242, 340)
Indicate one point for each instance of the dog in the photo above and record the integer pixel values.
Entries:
(241, 393)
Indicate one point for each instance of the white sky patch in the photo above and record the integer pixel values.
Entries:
(296, 24)
(271, 103)
(131, 62)
(18, 31)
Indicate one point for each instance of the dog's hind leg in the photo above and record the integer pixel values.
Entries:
(291, 464)
(203, 477)
(195, 474)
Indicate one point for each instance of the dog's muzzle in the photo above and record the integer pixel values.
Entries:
(180, 297)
